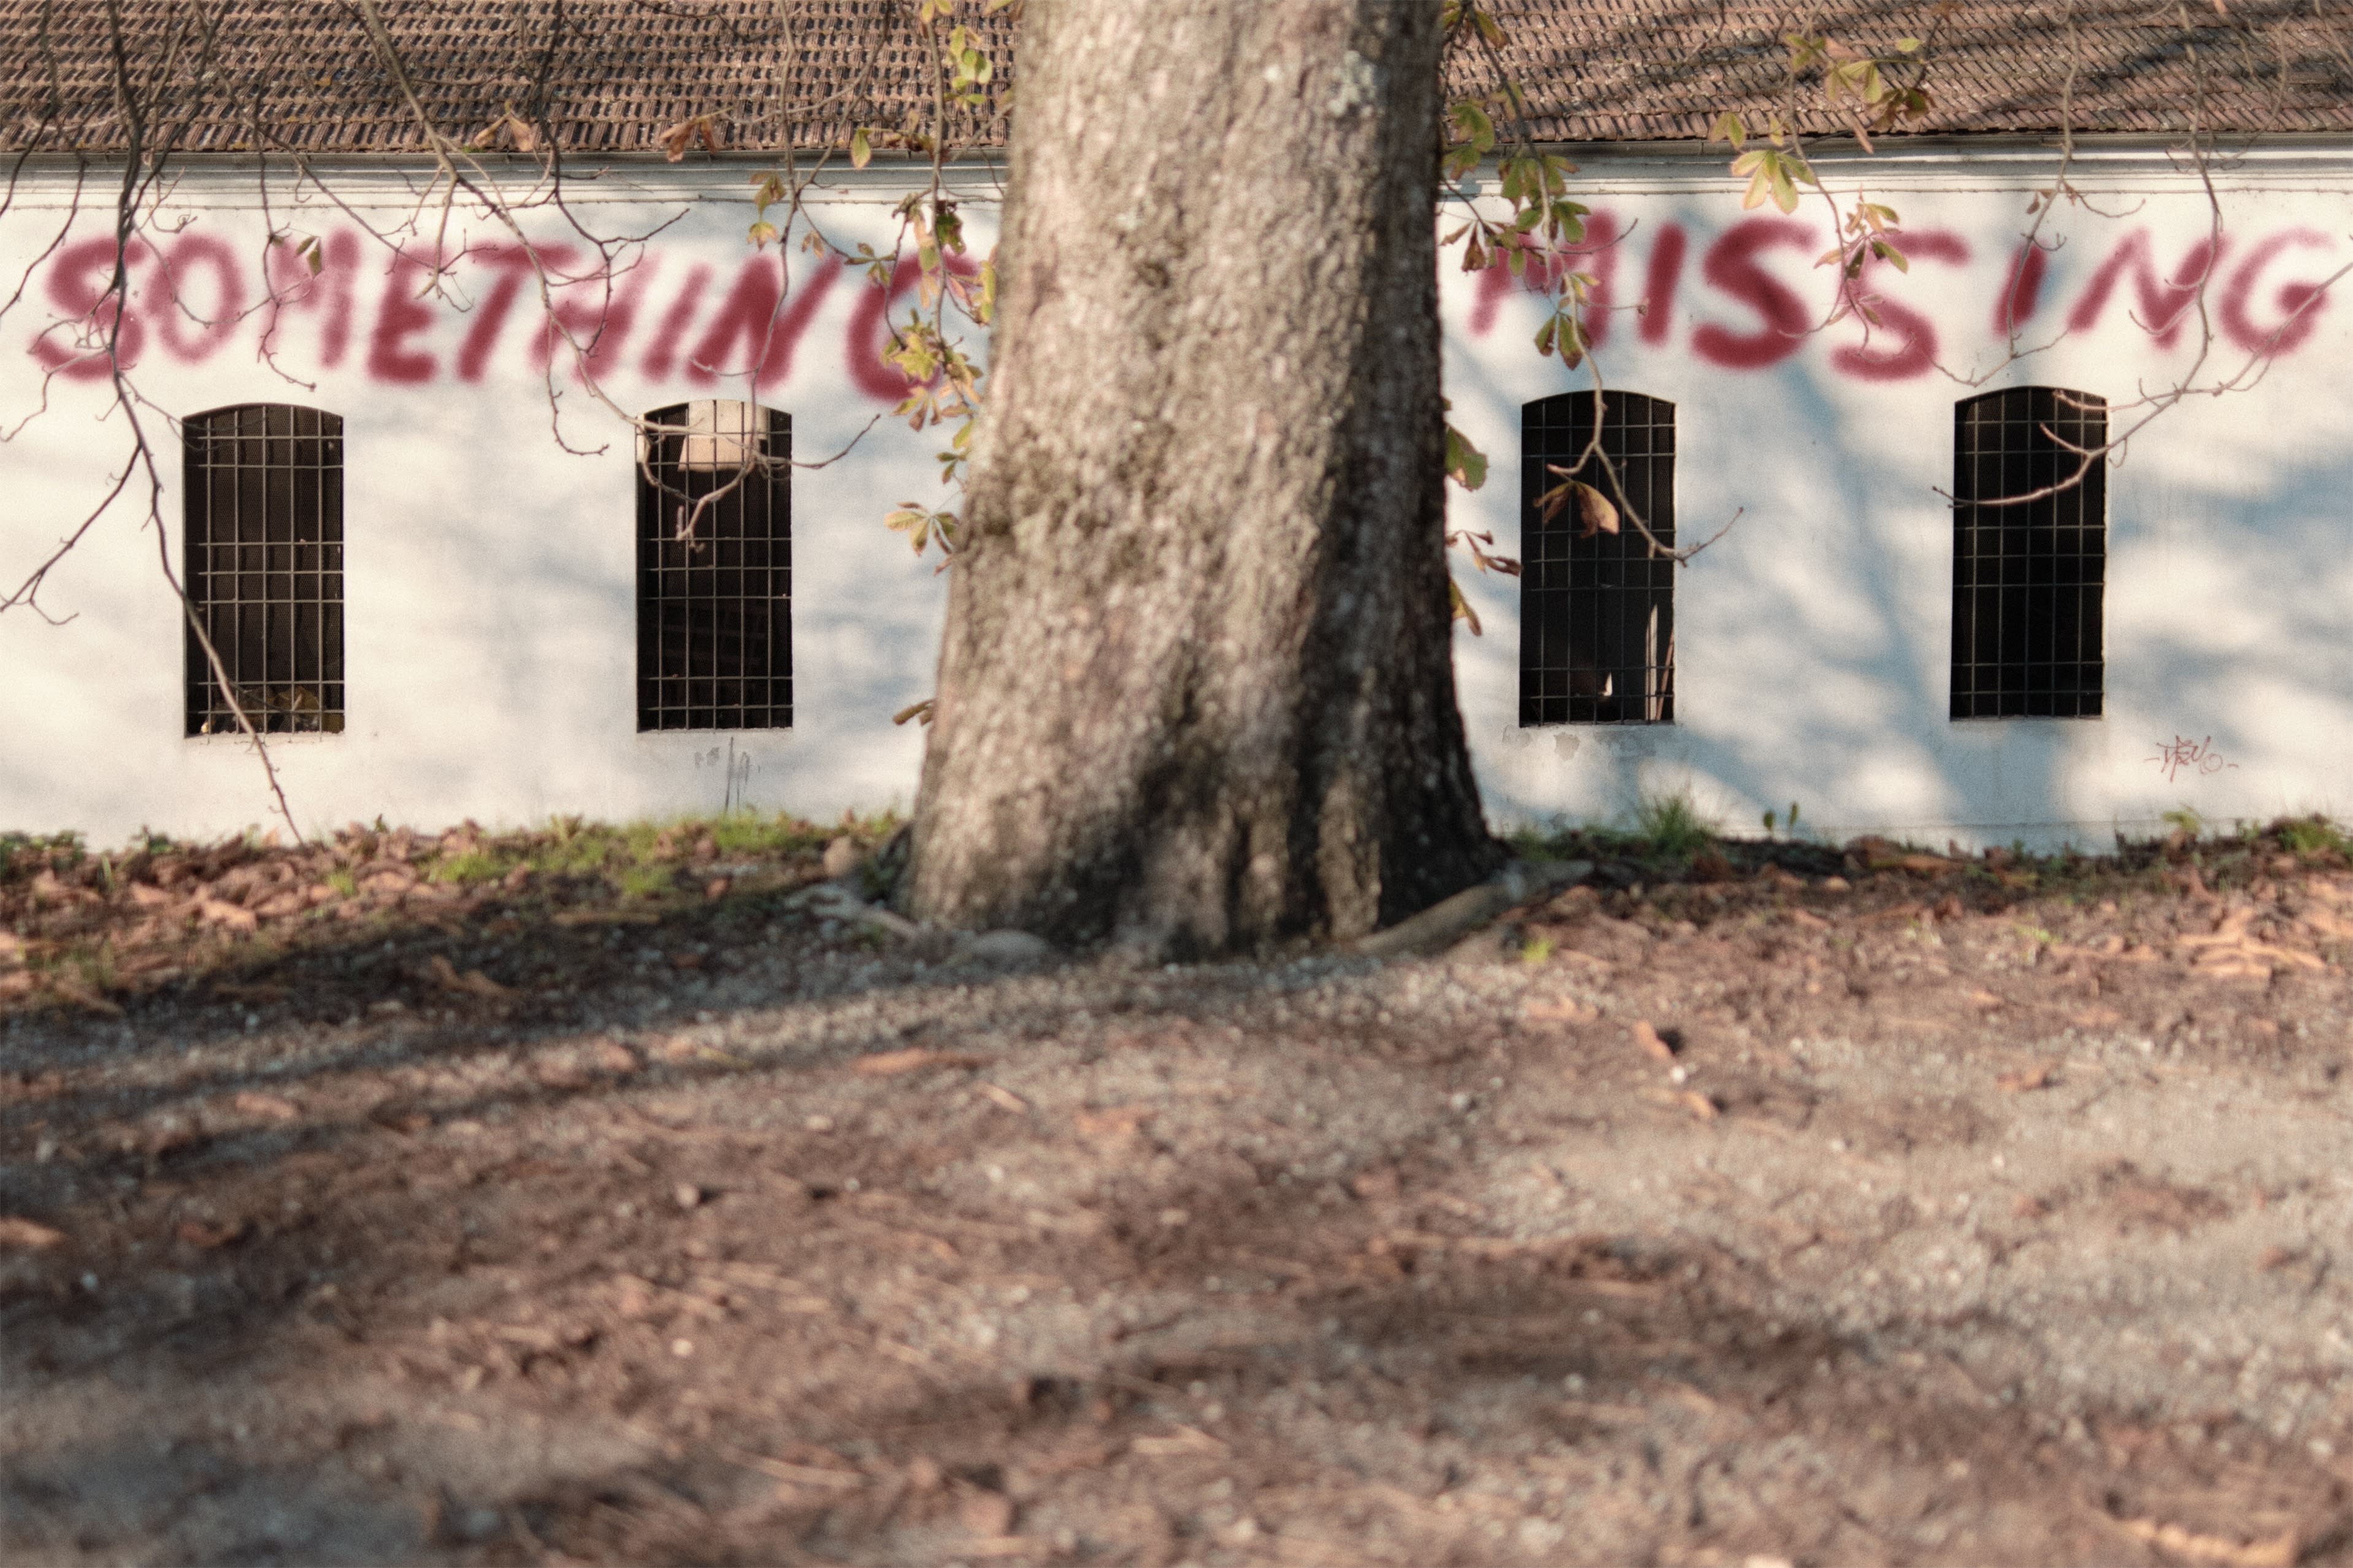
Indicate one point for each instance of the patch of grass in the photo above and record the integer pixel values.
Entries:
(24, 854)
(573, 849)
(1537, 950)
(344, 883)
(2310, 835)
(1671, 826)
(748, 832)
(472, 867)
(644, 881)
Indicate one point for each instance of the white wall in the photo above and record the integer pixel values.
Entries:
(1814, 640)
(491, 633)
(491, 624)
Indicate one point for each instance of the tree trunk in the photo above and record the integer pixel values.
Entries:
(1197, 689)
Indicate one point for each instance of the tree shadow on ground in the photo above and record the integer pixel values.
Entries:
(1225, 1299)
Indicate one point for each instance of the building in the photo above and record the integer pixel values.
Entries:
(449, 586)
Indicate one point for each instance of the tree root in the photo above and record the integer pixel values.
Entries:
(1521, 882)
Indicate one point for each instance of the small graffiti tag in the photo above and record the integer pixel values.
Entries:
(2183, 754)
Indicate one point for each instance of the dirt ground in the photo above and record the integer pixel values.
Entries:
(457, 1200)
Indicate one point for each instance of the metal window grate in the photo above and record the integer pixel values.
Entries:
(1597, 612)
(2027, 578)
(263, 564)
(716, 568)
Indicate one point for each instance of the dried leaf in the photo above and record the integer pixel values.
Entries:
(1186, 1440)
(217, 912)
(83, 996)
(196, 1233)
(2038, 1076)
(892, 1064)
(2277, 1551)
(1698, 1104)
(987, 1513)
(1594, 510)
(1651, 1043)
(1113, 1125)
(269, 1107)
(1006, 1097)
(19, 1232)
(1560, 1010)
(473, 982)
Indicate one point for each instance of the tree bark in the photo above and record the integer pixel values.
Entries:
(1196, 689)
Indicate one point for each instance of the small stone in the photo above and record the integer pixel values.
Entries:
(688, 1195)
(841, 857)
(1008, 947)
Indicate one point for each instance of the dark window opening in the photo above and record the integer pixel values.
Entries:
(716, 568)
(262, 562)
(1598, 608)
(2028, 633)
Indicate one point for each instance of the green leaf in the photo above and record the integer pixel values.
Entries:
(1462, 606)
(1465, 464)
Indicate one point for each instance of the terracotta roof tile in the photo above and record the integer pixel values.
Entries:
(608, 76)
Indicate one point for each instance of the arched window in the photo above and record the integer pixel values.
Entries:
(2027, 576)
(263, 566)
(1597, 601)
(716, 568)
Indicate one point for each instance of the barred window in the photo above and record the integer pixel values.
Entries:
(1597, 606)
(716, 568)
(2028, 629)
(262, 562)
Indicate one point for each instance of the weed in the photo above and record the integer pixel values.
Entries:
(643, 881)
(645, 844)
(2185, 822)
(471, 866)
(1536, 951)
(2310, 835)
(344, 883)
(1672, 826)
(748, 832)
(575, 850)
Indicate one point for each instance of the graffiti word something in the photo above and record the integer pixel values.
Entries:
(665, 316)
(2186, 755)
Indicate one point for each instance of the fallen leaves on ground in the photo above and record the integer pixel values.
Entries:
(472, 983)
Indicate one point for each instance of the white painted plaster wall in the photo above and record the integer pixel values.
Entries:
(1814, 639)
(490, 624)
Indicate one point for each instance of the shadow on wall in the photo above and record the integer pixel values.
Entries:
(1817, 649)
